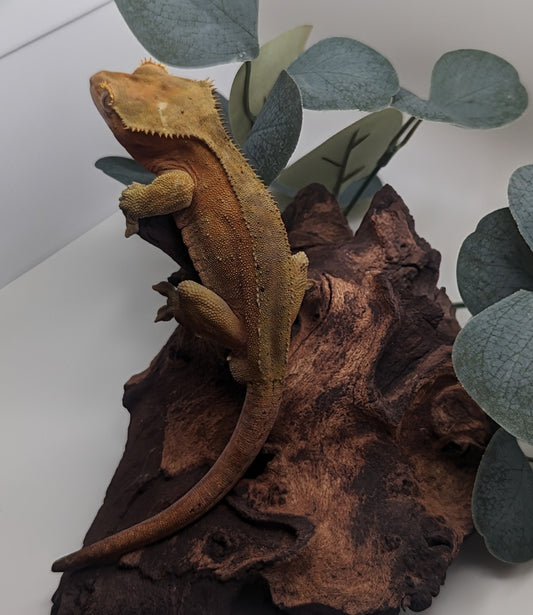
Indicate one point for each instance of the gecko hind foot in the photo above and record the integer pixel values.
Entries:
(166, 312)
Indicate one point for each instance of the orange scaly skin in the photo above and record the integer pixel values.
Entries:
(251, 286)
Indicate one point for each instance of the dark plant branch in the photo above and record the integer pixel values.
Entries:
(246, 92)
(396, 144)
(341, 177)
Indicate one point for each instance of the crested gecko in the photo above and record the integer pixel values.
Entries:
(251, 286)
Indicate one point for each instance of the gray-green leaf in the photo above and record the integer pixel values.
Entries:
(360, 207)
(124, 170)
(493, 355)
(494, 262)
(255, 79)
(520, 193)
(276, 130)
(285, 194)
(502, 502)
(341, 73)
(347, 156)
(469, 88)
(194, 32)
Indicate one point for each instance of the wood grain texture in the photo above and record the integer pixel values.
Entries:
(360, 498)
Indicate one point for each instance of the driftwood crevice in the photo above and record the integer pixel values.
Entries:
(360, 498)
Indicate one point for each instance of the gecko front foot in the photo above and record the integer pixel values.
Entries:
(166, 312)
(130, 203)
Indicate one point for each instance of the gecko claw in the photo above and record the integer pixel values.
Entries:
(164, 288)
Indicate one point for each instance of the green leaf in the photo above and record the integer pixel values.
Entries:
(494, 262)
(520, 193)
(341, 73)
(276, 130)
(493, 355)
(191, 33)
(361, 205)
(502, 501)
(469, 88)
(349, 155)
(285, 195)
(124, 170)
(254, 80)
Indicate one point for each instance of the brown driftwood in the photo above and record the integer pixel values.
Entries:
(360, 498)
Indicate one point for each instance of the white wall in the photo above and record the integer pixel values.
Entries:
(51, 193)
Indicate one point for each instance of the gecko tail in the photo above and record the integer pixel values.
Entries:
(256, 420)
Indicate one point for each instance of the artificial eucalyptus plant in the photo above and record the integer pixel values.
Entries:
(492, 356)
(469, 88)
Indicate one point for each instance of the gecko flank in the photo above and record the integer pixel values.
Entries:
(251, 286)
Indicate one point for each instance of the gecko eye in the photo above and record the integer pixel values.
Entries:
(105, 93)
(107, 99)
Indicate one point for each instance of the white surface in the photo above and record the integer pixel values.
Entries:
(73, 330)
(23, 21)
(50, 191)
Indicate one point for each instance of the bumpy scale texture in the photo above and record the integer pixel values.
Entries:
(245, 289)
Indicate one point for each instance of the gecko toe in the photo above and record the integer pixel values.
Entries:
(165, 312)
(164, 288)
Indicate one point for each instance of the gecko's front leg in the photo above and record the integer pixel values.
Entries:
(168, 193)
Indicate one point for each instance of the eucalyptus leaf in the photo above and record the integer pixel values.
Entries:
(470, 88)
(190, 33)
(124, 170)
(276, 130)
(255, 79)
(285, 195)
(493, 355)
(520, 192)
(361, 205)
(347, 156)
(342, 73)
(502, 501)
(282, 194)
(494, 262)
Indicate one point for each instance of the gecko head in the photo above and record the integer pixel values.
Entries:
(153, 103)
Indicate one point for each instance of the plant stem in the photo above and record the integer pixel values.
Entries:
(246, 92)
(409, 127)
(361, 190)
(341, 177)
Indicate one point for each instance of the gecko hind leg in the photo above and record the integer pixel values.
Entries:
(204, 312)
(300, 283)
